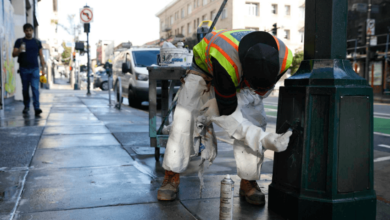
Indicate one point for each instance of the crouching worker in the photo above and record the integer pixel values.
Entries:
(243, 67)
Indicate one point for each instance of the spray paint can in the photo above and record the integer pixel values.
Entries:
(226, 200)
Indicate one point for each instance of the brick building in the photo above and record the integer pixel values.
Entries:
(182, 17)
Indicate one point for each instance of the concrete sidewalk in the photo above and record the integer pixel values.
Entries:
(82, 159)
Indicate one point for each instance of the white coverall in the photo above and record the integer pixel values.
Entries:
(246, 125)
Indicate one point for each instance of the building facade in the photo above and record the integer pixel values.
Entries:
(378, 75)
(13, 15)
(182, 17)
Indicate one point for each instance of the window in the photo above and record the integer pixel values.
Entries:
(302, 13)
(212, 15)
(195, 4)
(197, 22)
(145, 58)
(195, 25)
(287, 34)
(204, 17)
(204, 2)
(182, 13)
(376, 72)
(162, 26)
(252, 9)
(224, 14)
(252, 28)
(189, 28)
(302, 34)
(171, 20)
(274, 9)
(177, 16)
(287, 9)
(189, 9)
(182, 30)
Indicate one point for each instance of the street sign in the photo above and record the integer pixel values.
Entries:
(373, 41)
(86, 15)
(370, 26)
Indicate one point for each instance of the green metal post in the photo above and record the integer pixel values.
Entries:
(327, 170)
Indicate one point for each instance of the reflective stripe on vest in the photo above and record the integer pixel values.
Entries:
(224, 47)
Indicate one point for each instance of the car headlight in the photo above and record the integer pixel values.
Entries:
(141, 77)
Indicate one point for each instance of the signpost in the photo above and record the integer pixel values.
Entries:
(371, 31)
(86, 17)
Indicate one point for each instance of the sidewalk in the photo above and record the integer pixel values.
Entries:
(82, 159)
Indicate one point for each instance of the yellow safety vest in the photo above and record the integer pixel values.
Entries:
(223, 46)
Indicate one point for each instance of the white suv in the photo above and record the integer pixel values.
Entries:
(131, 67)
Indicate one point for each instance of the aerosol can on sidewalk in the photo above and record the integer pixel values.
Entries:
(226, 203)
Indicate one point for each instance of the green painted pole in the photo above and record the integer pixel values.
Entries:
(327, 170)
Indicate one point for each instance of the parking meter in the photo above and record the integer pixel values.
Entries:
(108, 68)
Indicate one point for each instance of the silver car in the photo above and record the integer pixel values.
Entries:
(101, 80)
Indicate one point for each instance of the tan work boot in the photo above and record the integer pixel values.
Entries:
(169, 187)
(252, 192)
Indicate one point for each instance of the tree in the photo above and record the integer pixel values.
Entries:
(298, 58)
(66, 55)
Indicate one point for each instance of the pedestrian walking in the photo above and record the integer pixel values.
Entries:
(239, 68)
(27, 49)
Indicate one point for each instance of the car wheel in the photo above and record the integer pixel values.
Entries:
(104, 86)
(133, 101)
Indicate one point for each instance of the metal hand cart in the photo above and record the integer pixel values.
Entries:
(168, 76)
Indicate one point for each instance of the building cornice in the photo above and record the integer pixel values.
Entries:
(166, 7)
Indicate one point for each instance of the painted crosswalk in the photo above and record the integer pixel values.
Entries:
(380, 159)
(383, 145)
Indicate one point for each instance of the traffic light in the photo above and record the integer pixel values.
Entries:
(74, 56)
(274, 30)
(79, 46)
(87, 28)
(361, 33)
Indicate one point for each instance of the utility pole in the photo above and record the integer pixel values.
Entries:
(87, 29)
(86, 17)
(368, 39)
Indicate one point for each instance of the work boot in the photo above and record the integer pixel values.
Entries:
(25, 110)
(252, 192)
(38, 111)
(169, 187)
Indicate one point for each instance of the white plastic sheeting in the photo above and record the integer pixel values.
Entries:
(246, 125)
(180, 144)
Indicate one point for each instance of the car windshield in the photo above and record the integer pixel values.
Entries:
(145, 58)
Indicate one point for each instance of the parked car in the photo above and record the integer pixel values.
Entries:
(101, 80)
(83, 74)
(131, 67)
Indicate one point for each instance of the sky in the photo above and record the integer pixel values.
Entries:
(118, 20)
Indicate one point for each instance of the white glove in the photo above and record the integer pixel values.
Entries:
(276, 142)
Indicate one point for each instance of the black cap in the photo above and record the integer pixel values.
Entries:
(253, 38)
(260, 66)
